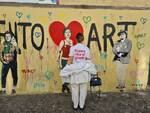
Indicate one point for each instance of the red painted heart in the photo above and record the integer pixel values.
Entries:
(56, 31)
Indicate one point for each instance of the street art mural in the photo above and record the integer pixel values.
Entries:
(64, 37)
(44, 45)
(9, 50)
(121, 50)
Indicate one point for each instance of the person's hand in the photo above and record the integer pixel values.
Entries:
(57, 60)
(4, 62)
(59, 64)
(18, 50)
(71, 43)
(12, 49)
(13, 42)
(118, 49)
(120, 54)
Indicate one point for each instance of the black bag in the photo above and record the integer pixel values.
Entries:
(95, 80)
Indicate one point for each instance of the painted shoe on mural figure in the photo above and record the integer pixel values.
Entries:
(122, 87)
(118, 87)
(121, 90)
(13, 91)
(2, 92)
(65, 88)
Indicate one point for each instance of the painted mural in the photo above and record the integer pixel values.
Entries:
(44, 36)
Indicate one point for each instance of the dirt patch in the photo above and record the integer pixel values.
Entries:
(58, 103)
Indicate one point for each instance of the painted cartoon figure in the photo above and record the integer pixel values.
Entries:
(122, 49)
(64, 48)
(8, 56)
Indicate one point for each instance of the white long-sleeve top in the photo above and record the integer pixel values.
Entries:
(81, 69)
(79, 72)
(87, 66)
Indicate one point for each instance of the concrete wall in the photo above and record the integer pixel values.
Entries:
(37, 67)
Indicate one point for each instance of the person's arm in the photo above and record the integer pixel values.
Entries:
(71, 55)
(15, 45)
(59, 50)
(116, 49)
(18, 50)
(71, 43)
(1, 52)
(70, 60)
(88, 55)
(128, 47)
(60, 54)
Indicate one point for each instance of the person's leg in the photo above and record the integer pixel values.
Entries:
(83, 94)
(14, 75)
(65, 80)
(5, 69)
(67, 87)
(75, 95)
(65, 84)
(118, 72)
(123, 74)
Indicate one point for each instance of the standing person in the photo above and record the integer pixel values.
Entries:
(79, 54)
(8, 57)
(122, 49)
(64, 48)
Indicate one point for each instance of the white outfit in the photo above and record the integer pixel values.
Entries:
(72, 69)
(80, 79)
(65, 79)
(79, 98)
